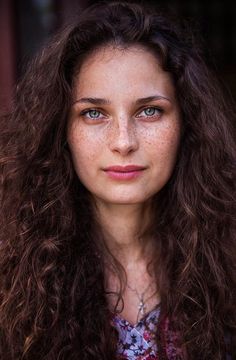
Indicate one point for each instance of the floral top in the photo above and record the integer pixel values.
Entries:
(138, 341)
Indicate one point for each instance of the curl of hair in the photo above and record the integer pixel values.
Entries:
(52, 297)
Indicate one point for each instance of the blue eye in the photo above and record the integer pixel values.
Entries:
(150, 111)
(93, 114)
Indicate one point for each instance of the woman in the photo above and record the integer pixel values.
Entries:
(118, 201)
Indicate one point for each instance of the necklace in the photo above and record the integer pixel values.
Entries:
(141, 307)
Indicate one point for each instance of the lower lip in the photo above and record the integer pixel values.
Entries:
(128, 175)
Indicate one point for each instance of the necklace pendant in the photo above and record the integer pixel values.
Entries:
(142, 307)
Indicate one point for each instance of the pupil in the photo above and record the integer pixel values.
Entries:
(150, 111)
(94, 113)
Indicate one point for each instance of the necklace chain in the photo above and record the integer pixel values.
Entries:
(141, 307)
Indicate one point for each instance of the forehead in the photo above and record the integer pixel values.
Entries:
(108, 52)
(122, 70)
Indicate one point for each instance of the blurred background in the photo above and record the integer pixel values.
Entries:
(25, 26)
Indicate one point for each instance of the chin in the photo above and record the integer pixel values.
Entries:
(124, 199)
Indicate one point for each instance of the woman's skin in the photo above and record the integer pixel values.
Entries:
(125, 112)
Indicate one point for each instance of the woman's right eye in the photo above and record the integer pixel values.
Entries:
(92, 114)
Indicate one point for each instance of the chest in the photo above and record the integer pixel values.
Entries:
(138, 299)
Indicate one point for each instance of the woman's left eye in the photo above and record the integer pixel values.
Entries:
(150, 111)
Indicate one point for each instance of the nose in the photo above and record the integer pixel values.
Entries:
(123, 137)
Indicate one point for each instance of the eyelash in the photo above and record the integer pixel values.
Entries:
(155, 108)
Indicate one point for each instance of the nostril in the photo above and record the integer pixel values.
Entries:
(124, 145)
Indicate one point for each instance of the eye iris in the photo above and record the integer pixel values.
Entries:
(150, 111)
(94, 114)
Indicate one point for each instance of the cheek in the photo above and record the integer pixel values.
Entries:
(84, 149)
(169, 144)
(164, 142)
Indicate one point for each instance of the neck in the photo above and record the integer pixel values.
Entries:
(124, 230)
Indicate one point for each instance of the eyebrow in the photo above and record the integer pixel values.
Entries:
(151, 98)
(94, 101)
(99, 101)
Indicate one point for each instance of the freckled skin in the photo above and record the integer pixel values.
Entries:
(124, 134)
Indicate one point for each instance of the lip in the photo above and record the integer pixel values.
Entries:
(127, 168)
(127, 172)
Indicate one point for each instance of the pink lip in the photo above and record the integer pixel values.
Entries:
(124, 172)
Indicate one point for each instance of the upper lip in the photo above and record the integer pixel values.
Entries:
(126, 168)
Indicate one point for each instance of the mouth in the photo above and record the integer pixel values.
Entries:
(127, 172)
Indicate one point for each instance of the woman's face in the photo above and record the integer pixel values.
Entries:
(124, 126)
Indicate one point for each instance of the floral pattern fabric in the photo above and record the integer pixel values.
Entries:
(138, 341)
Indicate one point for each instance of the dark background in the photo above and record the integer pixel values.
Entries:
(25, 25)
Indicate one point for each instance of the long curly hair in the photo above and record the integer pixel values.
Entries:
(53, 303)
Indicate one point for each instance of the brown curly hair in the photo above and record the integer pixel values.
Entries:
(52, 298)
